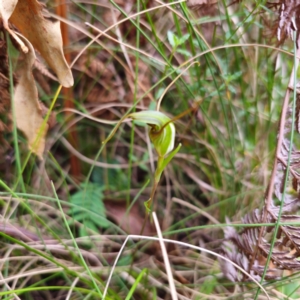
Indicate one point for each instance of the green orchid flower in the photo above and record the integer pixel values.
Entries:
(162, 130)
(162, 134)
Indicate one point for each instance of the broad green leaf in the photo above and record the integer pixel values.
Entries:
(89, 199)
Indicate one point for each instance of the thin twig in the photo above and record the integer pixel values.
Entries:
(166, 258)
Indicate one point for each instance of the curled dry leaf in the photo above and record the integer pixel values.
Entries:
(6, 9)
(27, 108)
(44, 35)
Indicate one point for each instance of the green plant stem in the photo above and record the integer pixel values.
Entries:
(135, 285)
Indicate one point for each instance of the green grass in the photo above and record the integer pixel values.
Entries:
(234, 94)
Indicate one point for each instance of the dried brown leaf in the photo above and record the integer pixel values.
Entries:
(43, 34)
(27, 108)
(6, 9)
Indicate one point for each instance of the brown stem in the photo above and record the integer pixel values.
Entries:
(184, 113)
(61, 10)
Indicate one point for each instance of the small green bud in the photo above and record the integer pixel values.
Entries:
(161, 135)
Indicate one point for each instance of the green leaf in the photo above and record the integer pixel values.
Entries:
(125, 261)
(147, 205)
(87, 224)
(176, 41)
(184, 52)
(85, 201)
(114, 179)
(135, 284)
(163, 162)
(183, 39)
(173, 39)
